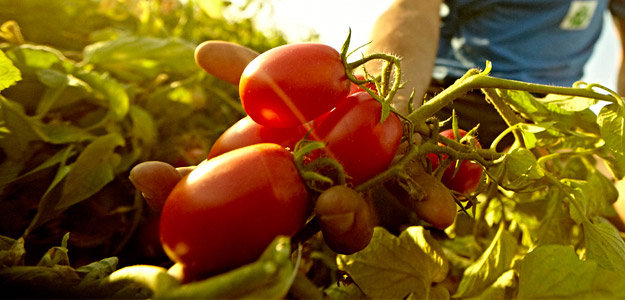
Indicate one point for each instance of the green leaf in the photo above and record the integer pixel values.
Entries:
(10, 170)
(46, 208)
(6, 242)
(524, 103)
(604, 245)
(553, 107)
(611, 120)
(22, 129)
(19, 129)
(55, 159)
(14, 255)
(143, 126)
(393, 267)
(270, 277)
(9, 74)
(436, 292)
(518, 169)
(555, 272)
(522, 164)
(497, 210)
(566, 105)
(62, 89)
(112, 93)
(529, 132)
(494, 261)
(32, 58)
(503, 288)
(99, 269)
(597, 194)
(38, 282)
(556, 226)
(558, 115)
(142, 57)
(53, 78)
(64, 133)
(56, 255)
(143, 138)
(212, 8)
(439, 292)
(92, 170)
(344, 291)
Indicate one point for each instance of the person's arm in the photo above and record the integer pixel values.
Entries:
(619, 206)
(410, 30)
(620, 28)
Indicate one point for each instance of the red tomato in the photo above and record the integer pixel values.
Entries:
(469, 173)
(293, 84)
(228, 210)
(356, 139)
(354, 88)
(246, 132)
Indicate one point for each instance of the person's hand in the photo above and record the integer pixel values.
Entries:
(224, 60)
(155, 180)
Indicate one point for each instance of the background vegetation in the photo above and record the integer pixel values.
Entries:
(105, 85)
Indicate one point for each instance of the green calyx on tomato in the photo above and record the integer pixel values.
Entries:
(464, 177)
(293, 84)
(226, 212)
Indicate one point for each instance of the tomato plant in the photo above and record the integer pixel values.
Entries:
(345, 219)
(468, 175)
(293, 84)
(246, 132)
(356, 139)
(227, 211)
(354, 88)
(537, 213)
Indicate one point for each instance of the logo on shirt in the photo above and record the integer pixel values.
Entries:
(579, 15)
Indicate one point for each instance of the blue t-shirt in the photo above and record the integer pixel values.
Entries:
(540, 41)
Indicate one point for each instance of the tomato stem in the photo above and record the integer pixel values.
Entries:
(476, 79)
(309, 171)
(310, 229)
(386, 95)
(392, 171)
(505, 112)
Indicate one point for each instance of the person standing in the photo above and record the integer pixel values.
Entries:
(537, 41)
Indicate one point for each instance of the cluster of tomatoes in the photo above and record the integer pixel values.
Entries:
(225, 213)
(250, 189)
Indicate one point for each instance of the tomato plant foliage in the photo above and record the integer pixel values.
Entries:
(89, 89)
(80, 105)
